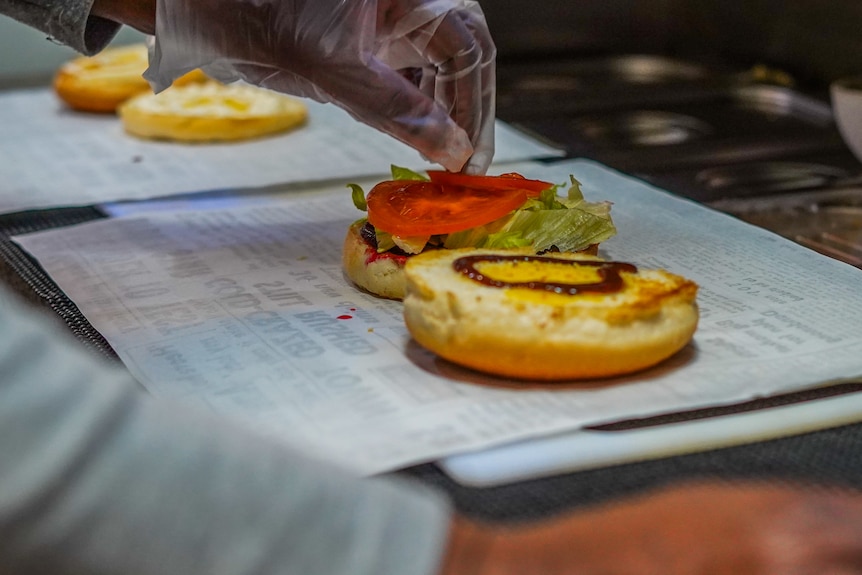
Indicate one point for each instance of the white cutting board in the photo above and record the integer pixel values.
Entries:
(586, 449)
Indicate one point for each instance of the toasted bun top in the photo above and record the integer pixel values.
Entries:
(215, 100)
(211, 111)
(116, 63)
(530, 333)
(102, 82)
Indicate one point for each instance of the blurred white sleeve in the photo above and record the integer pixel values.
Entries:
(65, 21)
(96, 477)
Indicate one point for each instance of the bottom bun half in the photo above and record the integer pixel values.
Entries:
(529, 334)
(376, 273)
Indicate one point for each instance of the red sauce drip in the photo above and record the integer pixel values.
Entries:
(345, 317)
(609, 274)
(373, 256)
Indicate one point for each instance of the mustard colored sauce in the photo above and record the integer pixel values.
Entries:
(550, 275)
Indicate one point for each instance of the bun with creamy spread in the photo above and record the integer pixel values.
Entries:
(412, 214)
(102, 82)
(551, 318)
(211, 112)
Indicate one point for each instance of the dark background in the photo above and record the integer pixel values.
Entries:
(815, 41)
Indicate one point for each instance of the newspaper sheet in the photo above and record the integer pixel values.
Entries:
(53, 156)
(244, 310)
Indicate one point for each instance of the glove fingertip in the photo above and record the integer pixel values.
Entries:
(478, 164)
(455, 152)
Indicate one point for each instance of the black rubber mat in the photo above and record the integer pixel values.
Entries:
(26, 277)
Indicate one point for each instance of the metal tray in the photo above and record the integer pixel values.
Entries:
(788, 174)
(827, 221)
(749, 122)
(540, 88)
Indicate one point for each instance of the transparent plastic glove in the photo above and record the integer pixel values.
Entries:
(422, 71)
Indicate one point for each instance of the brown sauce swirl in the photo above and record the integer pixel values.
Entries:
(609, 274)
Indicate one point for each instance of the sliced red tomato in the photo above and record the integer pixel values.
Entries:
(415, 208)
(501, 182)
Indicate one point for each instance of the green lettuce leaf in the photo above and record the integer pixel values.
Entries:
(568, 230)
(358, 196)
(384, 241)
(575, 192)
(399, 173)
(506, 240)
(473, 237)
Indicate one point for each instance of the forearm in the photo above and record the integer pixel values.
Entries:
(468, 549)
(139, 14)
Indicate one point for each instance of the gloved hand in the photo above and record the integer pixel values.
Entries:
(422, 71)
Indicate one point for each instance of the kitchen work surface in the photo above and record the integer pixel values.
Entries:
(53, 156)
(244, 311)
